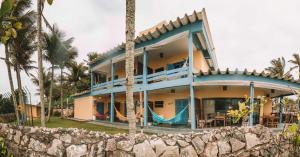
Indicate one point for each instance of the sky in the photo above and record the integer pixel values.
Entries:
(246, 34)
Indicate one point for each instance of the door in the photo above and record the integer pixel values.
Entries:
(100, 107)
(180, 104)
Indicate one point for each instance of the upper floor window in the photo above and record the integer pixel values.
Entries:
(159, 104)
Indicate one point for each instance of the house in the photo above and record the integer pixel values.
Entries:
(33, 111)
(176, 73)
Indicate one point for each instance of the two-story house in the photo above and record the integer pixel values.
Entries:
(177, 79)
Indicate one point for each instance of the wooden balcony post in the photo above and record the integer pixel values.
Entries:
(112, 95)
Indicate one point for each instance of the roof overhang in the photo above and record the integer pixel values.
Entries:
(244, 78)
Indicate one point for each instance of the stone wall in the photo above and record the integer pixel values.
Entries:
(228, 141)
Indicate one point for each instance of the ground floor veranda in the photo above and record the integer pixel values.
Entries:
(211, 105)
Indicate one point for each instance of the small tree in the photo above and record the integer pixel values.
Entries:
(244, 110)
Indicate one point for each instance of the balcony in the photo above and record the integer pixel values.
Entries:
(166, 75)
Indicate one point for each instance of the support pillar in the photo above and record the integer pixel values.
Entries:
(280, 113)
(112, 107)
(112, 95)
(192, 102)
(251, 103)
(191, 69)
(145, 82)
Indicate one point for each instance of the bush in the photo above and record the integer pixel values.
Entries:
(56, 114)
(3, 149)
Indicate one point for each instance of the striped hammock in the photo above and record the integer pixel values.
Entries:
(123, 118)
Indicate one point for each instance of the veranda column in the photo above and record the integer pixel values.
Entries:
(112, 95)
(92, 79)
(251, 103)
(280, 112)
(145, 72)
(191, 68)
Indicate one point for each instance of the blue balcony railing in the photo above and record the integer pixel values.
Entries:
(151, 78)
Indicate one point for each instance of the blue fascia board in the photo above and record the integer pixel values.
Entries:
(193, 27)
(250, 78)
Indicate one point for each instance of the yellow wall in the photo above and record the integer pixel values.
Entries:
(168, 110)
(199, 62)
(162, 62)
(34, 110)
(84, 108)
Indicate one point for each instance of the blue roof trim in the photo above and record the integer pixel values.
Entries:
(225, 77)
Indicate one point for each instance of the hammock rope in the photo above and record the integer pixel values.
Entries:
(123, 118)
(179, 118)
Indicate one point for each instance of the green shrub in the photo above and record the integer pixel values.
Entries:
(3, 149)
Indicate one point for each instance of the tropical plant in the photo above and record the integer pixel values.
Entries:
(52, 45)
(129, 67)
(3, 149)
(277, 68)
(8, 30)
(296, 62)
(22, 46)
(242, 113)
(40, 7)
(77, 76)
(92, 56)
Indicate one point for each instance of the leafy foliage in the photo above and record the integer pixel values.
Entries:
(277, 68)
(3, 149)
(244, 109)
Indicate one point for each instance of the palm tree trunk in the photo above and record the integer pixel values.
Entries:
(40, 60)
(21, 94)
(11, 83)
(61, 93)
(51, 93)
(130, 30)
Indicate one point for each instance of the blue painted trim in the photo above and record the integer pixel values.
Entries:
(193, 27)
(112, 105)
(250, 78)
(251, 103)
(145, 108)
(112, 73)
(145, 65)
(193, 112)
(191, 56)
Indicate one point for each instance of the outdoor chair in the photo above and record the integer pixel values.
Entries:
(272, 121)
(101, 116)
(209, 121)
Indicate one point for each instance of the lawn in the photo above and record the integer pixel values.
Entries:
(56, 122)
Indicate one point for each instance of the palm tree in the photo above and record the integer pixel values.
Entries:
(77, 75)
(52, 44)
(296, 62)
(9, 25)
(277, 68)
(47, 83)
(130, 36)
(22, 46)
(40, 7)
(68, 53)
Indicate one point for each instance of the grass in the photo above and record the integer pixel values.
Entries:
(56, 122)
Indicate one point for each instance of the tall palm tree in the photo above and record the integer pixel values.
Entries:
(47, 83)
(8, 31)
(40, 7)
(296, 62)
(92, 56)
(52, 45)
(130, 36)
(68, 53)
(77, 75)
(277, 68)
(22, 46)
